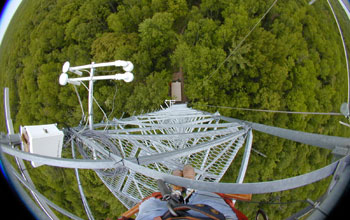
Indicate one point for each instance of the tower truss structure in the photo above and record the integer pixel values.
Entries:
(162, 141)
(130, 154)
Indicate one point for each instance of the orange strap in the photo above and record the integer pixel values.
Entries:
(242, 197)
(131, 211)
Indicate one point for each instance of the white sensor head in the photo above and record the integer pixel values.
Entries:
(129, 67)
(344, 109)
(63, 80)
(65, 67)
(128, 77)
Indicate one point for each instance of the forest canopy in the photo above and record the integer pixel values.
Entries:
(292, 61)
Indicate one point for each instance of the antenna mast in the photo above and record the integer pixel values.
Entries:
(64, 79)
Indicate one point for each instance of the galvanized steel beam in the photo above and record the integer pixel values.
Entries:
(318, 140)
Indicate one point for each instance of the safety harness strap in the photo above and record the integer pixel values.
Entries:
(182, 211)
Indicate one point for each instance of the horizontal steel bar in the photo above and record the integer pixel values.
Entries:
(61, 162)
(172, 136)
(96, 65)
(323, 141)
(194, 124)
(245, 188)
(168, 116)
(186, 151)
(236, 188)
(88, 78)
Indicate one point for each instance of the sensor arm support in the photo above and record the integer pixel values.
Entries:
(127, 76)
(127, 65)
(117, 76)
(233, 188)
(323, 141)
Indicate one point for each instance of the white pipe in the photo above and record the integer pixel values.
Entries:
(9, 123)
(127, 65)
(94, 78)
(245, 159)
(90, 99)
(127, 77)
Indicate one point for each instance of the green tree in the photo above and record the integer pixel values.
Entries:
(150, 94)
(158, 39)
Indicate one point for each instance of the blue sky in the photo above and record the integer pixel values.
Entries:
(6, 14)
(346, 9)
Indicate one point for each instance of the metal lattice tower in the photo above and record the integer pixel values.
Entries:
(130, 154)
(180, 134)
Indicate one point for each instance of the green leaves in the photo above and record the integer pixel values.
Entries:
(157, 36)
(112, 46)
(149, 95)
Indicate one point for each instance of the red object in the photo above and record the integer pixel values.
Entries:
(229, 202)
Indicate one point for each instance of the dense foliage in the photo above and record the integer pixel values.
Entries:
(292, 61)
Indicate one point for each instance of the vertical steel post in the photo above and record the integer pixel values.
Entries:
(91, 103)
(82, 195)
(21, 165)
(246, 156)
(9, 123)
(90, 107)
